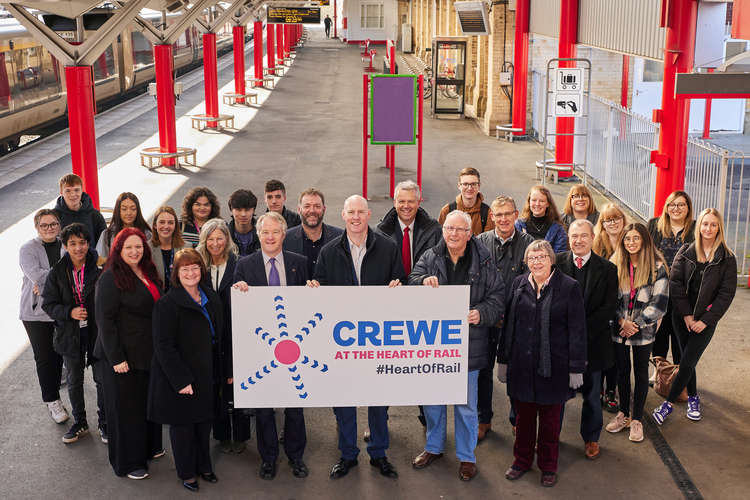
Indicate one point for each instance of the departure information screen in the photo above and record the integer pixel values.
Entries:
(294, 15)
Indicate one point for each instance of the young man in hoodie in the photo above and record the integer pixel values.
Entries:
(74, 205)
(471, 201)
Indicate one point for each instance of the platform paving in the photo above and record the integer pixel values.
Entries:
(307, 132)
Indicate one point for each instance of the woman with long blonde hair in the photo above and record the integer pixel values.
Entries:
(643, 294)
(608, 230)
(702, 286)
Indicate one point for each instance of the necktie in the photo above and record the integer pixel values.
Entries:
(273, 275)
(579, 262)
(406, 251)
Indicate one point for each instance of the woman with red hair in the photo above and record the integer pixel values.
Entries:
(125, 297)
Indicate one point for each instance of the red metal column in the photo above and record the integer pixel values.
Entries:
(210, 77)
(238, 46)
(280, 43)
(79, 84)
(164, 68)
(624, 91)
(521, 65)
(335, 24)
(287, 39)
(258, 52)
(420, 80)
(679, 47)
(707, 116)
(269, 45)
(566, 49)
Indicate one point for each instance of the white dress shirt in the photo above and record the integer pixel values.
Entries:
(358, 255)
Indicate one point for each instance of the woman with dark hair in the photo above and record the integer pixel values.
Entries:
(37, 256)
(127, 213)
(187, 325)
(579, 205)
(198, 206)
(702, 286)
(670, 231)
(541, 219)
(166, 240)
(125, 298)
(643, 294)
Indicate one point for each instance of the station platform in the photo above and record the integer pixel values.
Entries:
(307, 132)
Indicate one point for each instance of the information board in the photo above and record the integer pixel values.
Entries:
(568, 95)
(293, 15)
(393, 109)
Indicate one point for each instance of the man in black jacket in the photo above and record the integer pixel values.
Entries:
(242, 204)
(507, 247)
(273, 267)
(309, 237)
(598, 279)
(74, 205)
(360, 257)
(68, 298)
(275, 194)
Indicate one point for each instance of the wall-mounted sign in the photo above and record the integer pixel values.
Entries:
(294, 15)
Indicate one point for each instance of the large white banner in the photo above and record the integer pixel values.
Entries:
(350, 346)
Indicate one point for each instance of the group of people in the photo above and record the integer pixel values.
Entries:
(557, 304)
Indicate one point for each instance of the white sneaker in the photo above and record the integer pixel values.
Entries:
(636, 431)
(58, 412)
(618, 423)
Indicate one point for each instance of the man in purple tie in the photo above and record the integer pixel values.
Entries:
(270, 266)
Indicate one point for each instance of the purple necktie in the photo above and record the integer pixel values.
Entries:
(273, 275)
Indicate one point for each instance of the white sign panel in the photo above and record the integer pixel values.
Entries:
(569, 80)
(350, 346)
(567, 104)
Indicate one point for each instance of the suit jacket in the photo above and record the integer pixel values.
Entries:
(427, 232)
(252, 270)
(223, 362)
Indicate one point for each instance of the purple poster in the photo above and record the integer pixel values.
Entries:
(393, 109)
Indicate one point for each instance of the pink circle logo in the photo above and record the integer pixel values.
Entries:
(287, 352)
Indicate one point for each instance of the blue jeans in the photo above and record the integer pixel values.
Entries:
(377, 418)
(466, 424)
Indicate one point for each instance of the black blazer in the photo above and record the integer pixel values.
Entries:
(427, 232)
(124, 319)
(224, 370)
(183, 355)
(600, 301)
(252, 270)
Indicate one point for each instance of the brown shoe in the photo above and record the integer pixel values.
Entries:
(483, 430)
(467, 471)
(549, 479)
(424, 459)
(514, 473)
(592, 450)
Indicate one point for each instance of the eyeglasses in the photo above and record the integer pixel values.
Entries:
(452, 229)
(538, 258)
(614, 220)
(677, 205)
(268, 232)
(502, 215)
(469, 184)
(578, 196)
(51, 225)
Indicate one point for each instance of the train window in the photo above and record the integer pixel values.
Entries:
(143, 54)
(5, 70)
(104, 67)
(28, 76)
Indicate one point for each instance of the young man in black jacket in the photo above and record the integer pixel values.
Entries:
(68, 299)
(242, 204)
(74, 205)
(275, 194)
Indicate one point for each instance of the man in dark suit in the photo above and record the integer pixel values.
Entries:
(309, 237)
(360, 257)
(270, 266)
(598, 279)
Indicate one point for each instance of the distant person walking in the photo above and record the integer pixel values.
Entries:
(327, 21)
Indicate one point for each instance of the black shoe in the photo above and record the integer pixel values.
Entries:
(267, 470)
(191, 485)
(342, 467)
(210, 477)
(77, 430)
(386, 468)
(103, 435)
(299, 469)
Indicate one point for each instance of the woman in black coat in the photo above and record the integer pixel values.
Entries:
(125, 297)
(543, 353)
(187, 323)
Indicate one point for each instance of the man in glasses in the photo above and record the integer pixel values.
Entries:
(459, 259)
(469, 200)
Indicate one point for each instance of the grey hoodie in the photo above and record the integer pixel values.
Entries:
(35, 267)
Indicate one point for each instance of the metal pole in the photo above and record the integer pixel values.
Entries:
(164, 66)
(365, 135)
(238, 36)
(269, 46)
(280, 44)
(210, 77)
(335, 24)
(624, 93)
(707, 116)
(258, 52)
(420, 81)
(79, 85)
(520, 66)
(566, 49)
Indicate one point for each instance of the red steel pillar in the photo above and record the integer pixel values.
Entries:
(287, 39)
(269, 45)
(624, 91)
(280, 43)
(79, 84)
(335, 24)
(707, 116)
(238, 46)
(566, 49)
(521, 66)
(164, 66)
(674, 115)
(258, 52)
(210, 77)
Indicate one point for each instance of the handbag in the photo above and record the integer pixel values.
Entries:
(665, 374)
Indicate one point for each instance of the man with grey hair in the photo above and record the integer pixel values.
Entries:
(506, 247)
(598, 280)
(459, 259)
(360, 257)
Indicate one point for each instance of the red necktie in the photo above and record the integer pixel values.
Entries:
(579, 262)
(406, 252)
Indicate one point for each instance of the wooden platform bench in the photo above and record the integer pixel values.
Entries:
(231, 98)
(197, 120)
(155, 153)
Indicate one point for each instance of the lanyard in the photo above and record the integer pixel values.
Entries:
(632, 288)
(78, 284)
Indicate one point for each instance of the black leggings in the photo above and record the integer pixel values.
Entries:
(48, 362)
(692, 345)
(641, 354)
(664, 334)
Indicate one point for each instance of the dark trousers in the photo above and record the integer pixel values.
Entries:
(328, 32)
(295, 436)
(133, 440)
(545, 436)
(664, 334)
(641, 354)
(229, 424)
(591, 411)
(609, 376)
(485, 383)
(692, 346)
(48, 362)
(377, 419)
(190, 449)
(76, 366)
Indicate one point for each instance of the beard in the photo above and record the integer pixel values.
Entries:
(306, 221)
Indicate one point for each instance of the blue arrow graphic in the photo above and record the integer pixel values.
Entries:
(297, 377)
(300, 387)
(244, 387)
(278, 297)
(303, 396)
